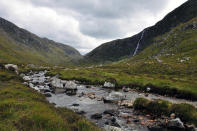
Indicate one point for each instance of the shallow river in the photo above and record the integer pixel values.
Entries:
(115, 115)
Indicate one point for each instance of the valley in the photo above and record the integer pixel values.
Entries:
(146, 82)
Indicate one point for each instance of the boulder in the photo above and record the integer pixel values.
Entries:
(91, 95)
(110, 112)
(75, 104)
(172, 116)
(109, 85)
(96, 116)
(56, 83)
(61, 86)
(71, 92)
(26, 78)
(112, 128)
(148, 89)
(175, 124)
(69, 85)
(126, 103)
(190, 128)
(80, 112)
(88, 86)
(45, 90)
(125, 89)
(12, 67)
(47, 94)
(114, 97)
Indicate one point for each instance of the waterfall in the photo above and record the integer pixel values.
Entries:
(138, 44)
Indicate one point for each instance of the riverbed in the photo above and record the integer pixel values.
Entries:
(94, 108)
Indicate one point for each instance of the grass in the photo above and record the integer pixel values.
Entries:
(22, 109)
(186, 112)
(12, 51)
(175, 75)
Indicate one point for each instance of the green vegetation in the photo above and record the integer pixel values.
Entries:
(19, 46)
(122, 48)
(186, 112)
(168, 66)
(22, 109)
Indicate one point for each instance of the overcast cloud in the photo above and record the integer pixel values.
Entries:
(85, 24)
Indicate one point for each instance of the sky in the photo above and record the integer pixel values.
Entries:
(86, 24)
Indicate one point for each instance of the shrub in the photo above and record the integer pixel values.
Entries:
(141, 103)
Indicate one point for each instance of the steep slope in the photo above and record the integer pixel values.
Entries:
(117, 49)
(172, 53)
(20, 46)
(168, 66)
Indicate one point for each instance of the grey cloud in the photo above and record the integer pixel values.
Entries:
(101, 19)
(83, 24)
(107, 9)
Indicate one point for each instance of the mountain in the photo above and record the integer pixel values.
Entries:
(18, 45)
(122, 48)
(168, 66)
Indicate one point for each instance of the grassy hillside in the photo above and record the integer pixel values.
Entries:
(22, 47)
(122, 48)
(168, 66)
(22, 109)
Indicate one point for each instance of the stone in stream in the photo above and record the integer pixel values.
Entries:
(47, 94)
(126, 103)
(80, 112)
(96, 116)
(175, 124)
(114, 97)
(26, 78)
(88, 86)
(56, 83)
(61, 86)
(190, 128)
(91, 95)
(109, 85)
(172, 116)
(125, 89)
(12, 67)
(148, 89)
(75, 104)
(71, 88)
(112, 128)
(110, 112)
(112, 122)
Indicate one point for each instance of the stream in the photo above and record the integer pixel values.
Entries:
(88, 102)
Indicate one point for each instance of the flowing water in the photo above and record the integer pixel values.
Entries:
(126, 118)
(138, 44)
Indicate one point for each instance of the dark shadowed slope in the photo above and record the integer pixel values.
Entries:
(121, 48)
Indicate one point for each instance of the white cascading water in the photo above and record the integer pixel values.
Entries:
(138, 44)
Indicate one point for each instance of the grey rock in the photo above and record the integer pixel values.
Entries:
(12, 67)
(175, 124)
(112, 128)
(48, 95)
(114, 97)
(109, 85)
(96, 116)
